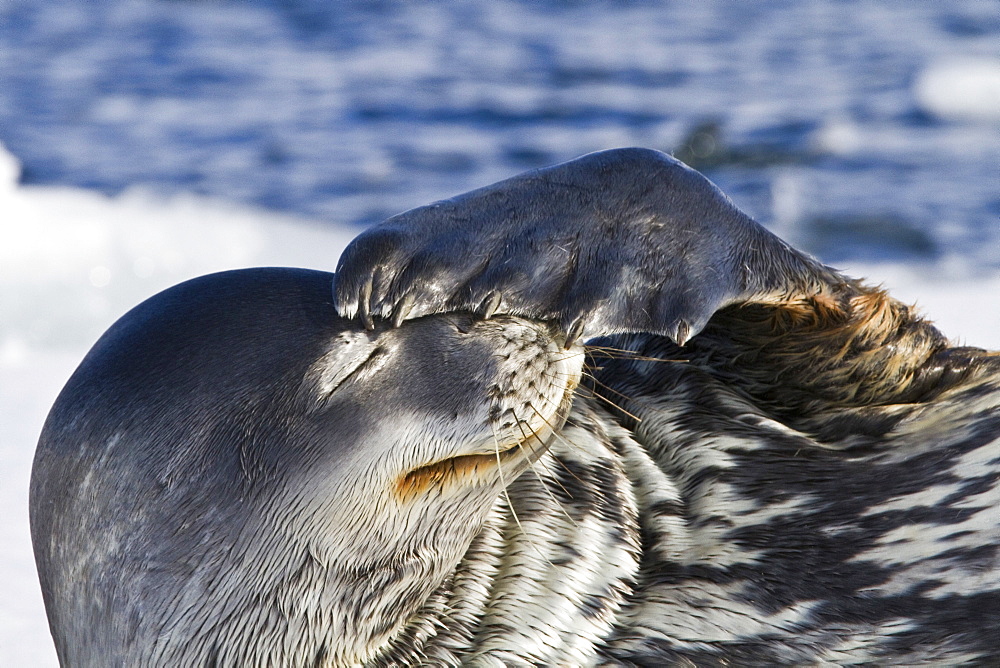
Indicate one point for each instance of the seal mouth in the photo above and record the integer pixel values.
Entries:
(470, 467)
(525, 402)
(507, 459)
(463, 468)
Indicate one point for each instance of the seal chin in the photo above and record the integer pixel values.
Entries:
(478, 469)
(502, 458)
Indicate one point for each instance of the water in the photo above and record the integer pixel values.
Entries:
(843, 125)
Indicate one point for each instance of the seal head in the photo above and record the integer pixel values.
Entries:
(234, 472)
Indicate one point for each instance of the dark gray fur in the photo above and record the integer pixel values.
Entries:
(629, 240)
(701, 507)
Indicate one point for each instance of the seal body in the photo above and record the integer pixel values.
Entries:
(704, 509)
(766, 463)
(815, 474)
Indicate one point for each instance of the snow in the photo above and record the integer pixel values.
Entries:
(961, 89)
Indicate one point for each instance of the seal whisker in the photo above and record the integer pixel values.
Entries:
(627, 354)
(562, 437)
(610, 402)
(552, 497)
(612, 349)
(504, 485)
(544, 485)
(559, 377)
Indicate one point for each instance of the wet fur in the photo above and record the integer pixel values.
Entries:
(814, 478)
(741, 518)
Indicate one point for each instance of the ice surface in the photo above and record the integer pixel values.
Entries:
(72, 261)
(963, 89)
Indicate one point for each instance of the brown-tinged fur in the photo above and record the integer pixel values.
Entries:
(444, 474)
(851, 347)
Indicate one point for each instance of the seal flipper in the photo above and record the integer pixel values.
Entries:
(626, 240)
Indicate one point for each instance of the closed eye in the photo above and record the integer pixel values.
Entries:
(371, 364)
(349, 354)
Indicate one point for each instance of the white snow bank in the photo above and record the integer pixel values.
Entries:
(964, 307)
(72, 261)
(961, 88)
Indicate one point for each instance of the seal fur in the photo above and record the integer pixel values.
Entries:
(812, 477)
(235, 475)
(825, 466)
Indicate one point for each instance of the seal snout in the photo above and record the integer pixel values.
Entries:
(527, 385)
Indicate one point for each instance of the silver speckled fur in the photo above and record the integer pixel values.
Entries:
(769, 464)
(713, 534)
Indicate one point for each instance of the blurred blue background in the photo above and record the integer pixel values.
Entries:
(857, 130)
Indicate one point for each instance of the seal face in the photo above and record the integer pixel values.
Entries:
(766, 462)
(235, 472)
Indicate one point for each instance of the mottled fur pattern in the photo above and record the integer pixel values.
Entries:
(822, 469)
(813, 479)
(697, 525)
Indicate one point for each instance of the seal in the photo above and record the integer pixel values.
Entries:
(765, 462)
(235, 475)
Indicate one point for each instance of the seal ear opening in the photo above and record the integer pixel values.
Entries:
(628, 240)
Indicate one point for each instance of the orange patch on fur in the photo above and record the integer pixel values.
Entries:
(447, 472)
(852, 346)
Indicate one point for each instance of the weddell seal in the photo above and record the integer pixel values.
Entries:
(765, 462)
